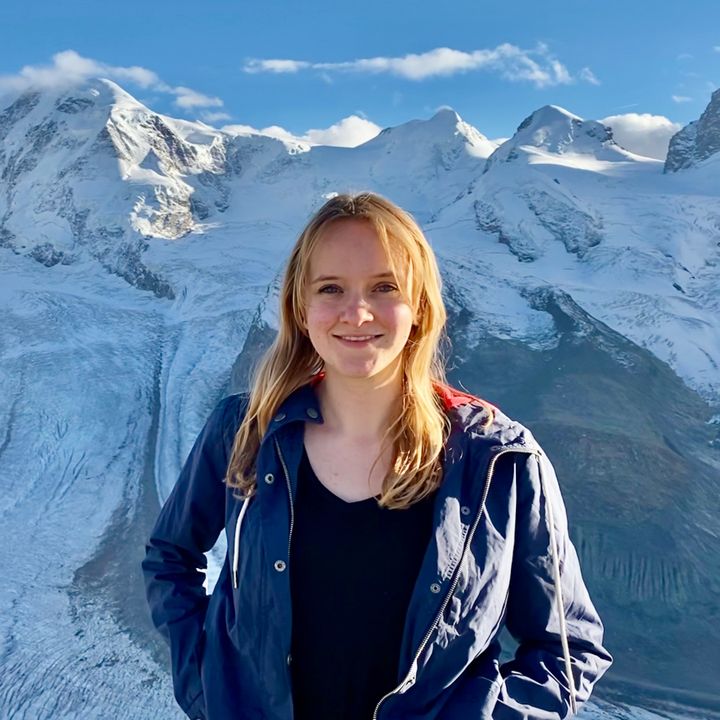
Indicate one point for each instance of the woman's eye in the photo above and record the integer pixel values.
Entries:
(334, 289)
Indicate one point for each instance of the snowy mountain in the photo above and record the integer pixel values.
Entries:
(697, 142)
(139, 266)
(551, 130)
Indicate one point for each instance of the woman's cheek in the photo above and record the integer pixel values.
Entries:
(321, 315)
(402, 316)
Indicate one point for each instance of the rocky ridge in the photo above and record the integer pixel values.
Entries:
(697, 141)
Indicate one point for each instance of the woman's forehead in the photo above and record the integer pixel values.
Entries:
(352, 246)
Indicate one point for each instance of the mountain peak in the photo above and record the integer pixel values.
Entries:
(444, 129)
(445, 115)
(108, 91)
(549, 115)
(697, 141)
(73, 97)
(552, 129)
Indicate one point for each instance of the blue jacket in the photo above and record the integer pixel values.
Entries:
(492, 560)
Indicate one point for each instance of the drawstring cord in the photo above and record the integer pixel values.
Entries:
(236, 543)
(559, 597)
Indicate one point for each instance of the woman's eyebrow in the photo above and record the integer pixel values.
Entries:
(325, 278)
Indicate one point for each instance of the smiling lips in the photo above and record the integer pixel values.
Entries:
(356, 338)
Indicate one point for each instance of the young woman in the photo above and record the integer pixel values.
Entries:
(382, 527)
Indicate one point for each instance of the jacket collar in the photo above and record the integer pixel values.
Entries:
(453, 398)
(300, 405)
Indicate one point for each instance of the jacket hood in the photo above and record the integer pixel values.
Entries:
(480, 419)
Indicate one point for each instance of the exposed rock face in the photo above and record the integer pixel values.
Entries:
(17, 111)
(57, 151)
(697, 141)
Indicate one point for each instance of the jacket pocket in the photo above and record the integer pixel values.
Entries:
(473, 696)
(194, 706)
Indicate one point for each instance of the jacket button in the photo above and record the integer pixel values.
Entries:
(312, 412)
(279, 565)
(289, 659)
(435, 588)
(269, 478)
(465, 510)
(279, 417)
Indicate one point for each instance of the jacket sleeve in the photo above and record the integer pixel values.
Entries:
(187, 527)
(535, 683)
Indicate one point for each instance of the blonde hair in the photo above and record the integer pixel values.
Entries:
(418, 433)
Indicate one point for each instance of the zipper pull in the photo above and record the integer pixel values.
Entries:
(409, 679)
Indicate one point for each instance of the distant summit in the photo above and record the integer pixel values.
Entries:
(552, 129)
(445, 128)
(697, 141)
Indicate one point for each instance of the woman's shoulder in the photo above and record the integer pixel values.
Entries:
(236, 402)
(228, 415)
(482, 421)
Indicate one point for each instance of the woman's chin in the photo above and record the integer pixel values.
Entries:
(352, 373)
(359, 371)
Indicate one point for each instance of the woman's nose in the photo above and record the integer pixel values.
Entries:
(356, 310)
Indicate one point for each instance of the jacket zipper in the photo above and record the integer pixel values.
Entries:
(292, 523)
(289, 489)
(409, 679)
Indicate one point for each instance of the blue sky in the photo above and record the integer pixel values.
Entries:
(382, 62)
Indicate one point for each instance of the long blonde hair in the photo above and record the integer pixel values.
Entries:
(418, 433)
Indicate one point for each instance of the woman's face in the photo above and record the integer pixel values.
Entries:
(356, 315)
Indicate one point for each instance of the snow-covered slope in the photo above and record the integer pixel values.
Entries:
(635, 248)
(139, 260)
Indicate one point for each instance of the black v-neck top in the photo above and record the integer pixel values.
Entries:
(353, 566)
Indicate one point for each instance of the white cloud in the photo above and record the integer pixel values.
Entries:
(536, 66)
(644, 134)
(561, 72)
(278, 132)
(681, 98)
(188, 98)
(240, 130)
(684, 56)
(275, 66)
(587, 75)
(717, 48)
(69, 68)
(212, 117)
(348, 132)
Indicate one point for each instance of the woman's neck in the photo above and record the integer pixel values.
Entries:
(359, 409)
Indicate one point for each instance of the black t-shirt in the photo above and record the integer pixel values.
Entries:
(353, 566)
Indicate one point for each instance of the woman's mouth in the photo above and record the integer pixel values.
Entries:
(356, 339)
